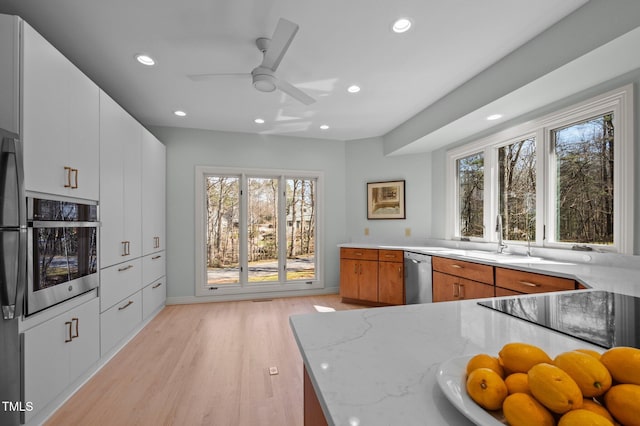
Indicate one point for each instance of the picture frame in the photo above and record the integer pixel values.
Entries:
(386, 200)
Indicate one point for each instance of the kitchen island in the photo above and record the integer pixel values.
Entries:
(378, 366)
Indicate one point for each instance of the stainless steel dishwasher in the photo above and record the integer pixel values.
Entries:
(417, 278)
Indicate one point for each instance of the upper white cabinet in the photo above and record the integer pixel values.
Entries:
(153, 193)
(60, 116)
(120, 184)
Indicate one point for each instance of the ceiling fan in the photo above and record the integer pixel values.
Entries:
(263, 76)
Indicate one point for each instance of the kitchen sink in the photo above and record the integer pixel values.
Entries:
(500, 257)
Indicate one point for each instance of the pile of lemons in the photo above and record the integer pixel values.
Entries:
(577, 388)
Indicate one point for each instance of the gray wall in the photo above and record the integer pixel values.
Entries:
(188, 148)
(366, 162)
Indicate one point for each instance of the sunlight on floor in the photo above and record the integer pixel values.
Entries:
(323, 308)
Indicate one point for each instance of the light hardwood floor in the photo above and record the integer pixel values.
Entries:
(203, 364)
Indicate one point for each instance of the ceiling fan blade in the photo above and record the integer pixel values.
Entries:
(294, 92)
(282, 37)
(206, 77)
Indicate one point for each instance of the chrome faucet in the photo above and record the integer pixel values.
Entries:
(501, 244)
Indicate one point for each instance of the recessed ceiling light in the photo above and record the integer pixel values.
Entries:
(494, 117)
(324, 127)
(401, 25)
(353, 89)
(180, 113)
(145, 60)
(259, 121)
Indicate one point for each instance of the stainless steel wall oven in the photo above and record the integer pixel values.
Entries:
(62, 251)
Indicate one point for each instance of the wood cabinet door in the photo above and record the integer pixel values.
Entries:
(349, 278)
(391, 283)
(468, 289)
(506, 292)
(368, 280)
(443, 287)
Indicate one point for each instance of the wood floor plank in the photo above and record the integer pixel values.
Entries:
(203, 364)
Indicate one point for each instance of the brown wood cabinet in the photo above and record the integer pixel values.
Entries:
(520, 282)
(372, 276)
(391, 277)
(460, 268)
(459, 280)
(449, 287)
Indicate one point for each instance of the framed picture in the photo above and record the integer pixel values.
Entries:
(385, 200)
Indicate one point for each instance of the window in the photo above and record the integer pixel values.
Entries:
(584, 163)
(258, 231)
(517, 189)
(563, 180)
(471, 194)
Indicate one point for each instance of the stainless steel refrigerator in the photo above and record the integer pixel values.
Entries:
(13, 268)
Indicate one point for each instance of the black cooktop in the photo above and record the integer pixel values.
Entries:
(599, 317)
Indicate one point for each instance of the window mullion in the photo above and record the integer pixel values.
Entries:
(282, 230)
(243, 232)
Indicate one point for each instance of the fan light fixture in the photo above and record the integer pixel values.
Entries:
(180, 113)
(353, 89)
(401, 25)
(259, 121)
(324, 127)
(145, 59)
(494, 117)
(263, 82)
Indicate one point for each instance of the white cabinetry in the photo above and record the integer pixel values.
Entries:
(58, 351)
(119, 281)
(119, 321)
(153, 193)
(154, 293)
(120, 184)
(60, 122)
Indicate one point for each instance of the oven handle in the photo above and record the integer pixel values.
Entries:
(62, 224)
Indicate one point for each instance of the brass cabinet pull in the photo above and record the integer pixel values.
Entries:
(126, 248)
(129, 303)
(75, 180)
(456, 290)
(76, 321)
(400, 271)
(70, 338)
(156, 257)
(157, 285)
(358, 253)
(456, 266)
(355, 269)
(68, 170)
(125, 268)
(529, 284)
(461, 290)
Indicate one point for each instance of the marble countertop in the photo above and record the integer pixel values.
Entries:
(378, 366)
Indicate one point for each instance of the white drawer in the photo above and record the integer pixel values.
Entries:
(153, 296)
(119, 321)
(119, 281)
(153, 267)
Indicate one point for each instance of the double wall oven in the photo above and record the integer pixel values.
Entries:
(62, 251)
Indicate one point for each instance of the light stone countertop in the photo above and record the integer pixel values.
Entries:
(378, 366)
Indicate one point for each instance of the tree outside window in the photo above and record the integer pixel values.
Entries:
(471, 195)
(584, 181)
(517, 189)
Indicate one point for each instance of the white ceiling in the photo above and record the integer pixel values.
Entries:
(340, 42)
